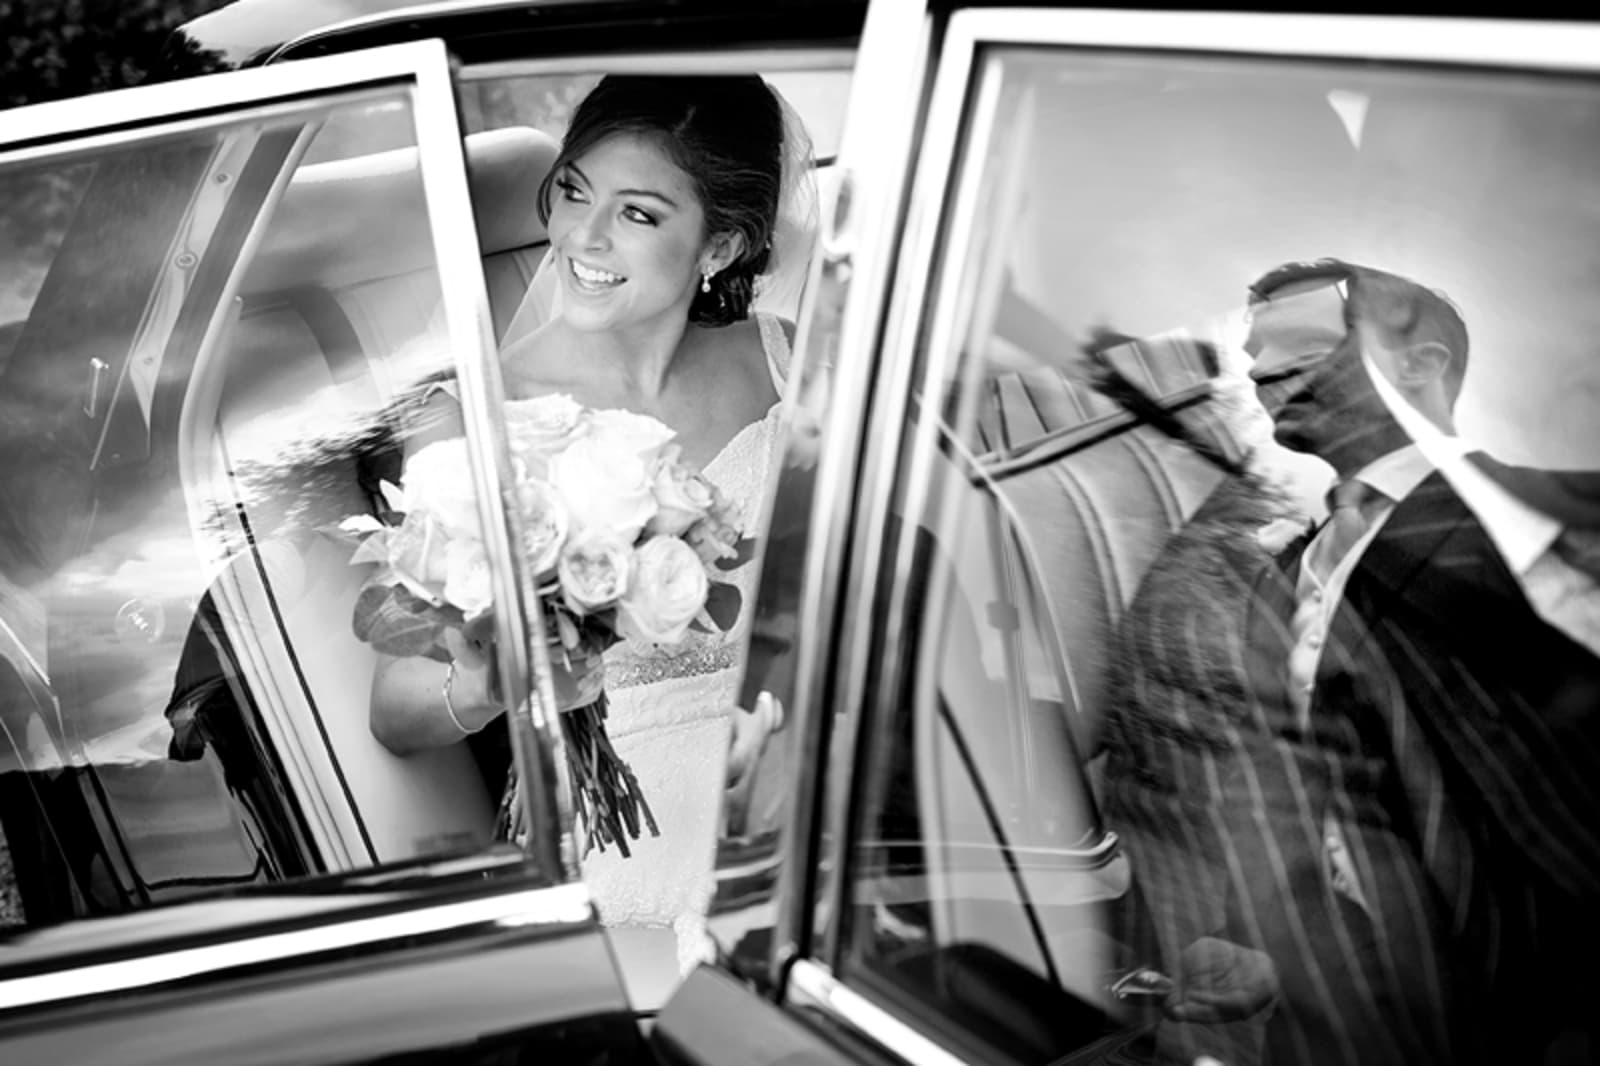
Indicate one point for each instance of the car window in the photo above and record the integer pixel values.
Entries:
(212, 331)
(1162, 765)
(540, 101)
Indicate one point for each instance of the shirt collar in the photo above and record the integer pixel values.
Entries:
(1520, 532)
(1397, 474)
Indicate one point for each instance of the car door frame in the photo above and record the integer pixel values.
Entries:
(500, 947)
(879, 298)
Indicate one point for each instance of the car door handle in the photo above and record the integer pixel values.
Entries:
(97, 374)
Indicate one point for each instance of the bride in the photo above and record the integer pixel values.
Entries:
(662, 210)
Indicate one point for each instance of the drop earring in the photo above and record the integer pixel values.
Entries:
(705, 281)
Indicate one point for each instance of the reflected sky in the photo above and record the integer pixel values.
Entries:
(1151, 198)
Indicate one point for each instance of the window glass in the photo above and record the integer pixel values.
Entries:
(759, 779)
(210, 332)
(1183, 751)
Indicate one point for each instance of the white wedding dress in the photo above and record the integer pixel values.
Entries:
(668, 721)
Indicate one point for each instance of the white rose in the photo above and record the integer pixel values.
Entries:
(712, 539)
(538, 428)
(417, 554)
(544, 526)
(605, 488)
(667, 591)
(640, 434)
(467, 582)
(682, 496)
(594, 571)
(438, 482)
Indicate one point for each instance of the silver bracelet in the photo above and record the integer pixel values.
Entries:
(449, 707)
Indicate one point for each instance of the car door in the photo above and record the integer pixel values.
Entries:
(1030, 489)
(218, 294)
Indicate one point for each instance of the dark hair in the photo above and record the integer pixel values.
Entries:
(726, 134)
(1404, 311)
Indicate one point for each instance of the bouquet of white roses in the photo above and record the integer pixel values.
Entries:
(622, 537)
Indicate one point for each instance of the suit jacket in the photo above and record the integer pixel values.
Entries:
(1451, 743)
(1448, 742)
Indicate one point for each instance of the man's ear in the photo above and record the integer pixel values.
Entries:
(721, 250)
(1423, 364)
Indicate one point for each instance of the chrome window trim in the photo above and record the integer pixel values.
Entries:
(400, 14)
(536, 744)
(38, 129)
(1542, 45)
(931, 174)
(856, 260)
(727, 61)
(552, 905)
(812, 986)
(127, 134)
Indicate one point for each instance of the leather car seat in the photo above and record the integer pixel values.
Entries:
(338, 314)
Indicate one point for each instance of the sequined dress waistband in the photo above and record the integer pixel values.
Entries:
(635, 670)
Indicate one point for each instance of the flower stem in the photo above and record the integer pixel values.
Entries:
(605, 794)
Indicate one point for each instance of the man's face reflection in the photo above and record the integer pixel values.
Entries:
(1308, 371)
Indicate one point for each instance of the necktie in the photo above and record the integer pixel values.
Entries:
(1348, 508)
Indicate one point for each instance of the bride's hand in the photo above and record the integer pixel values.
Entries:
(751, 730)
(577, 675)
(471, 686)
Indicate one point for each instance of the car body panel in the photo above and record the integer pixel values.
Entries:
(537, 979)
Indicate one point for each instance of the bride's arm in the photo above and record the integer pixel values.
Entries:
(407, 711)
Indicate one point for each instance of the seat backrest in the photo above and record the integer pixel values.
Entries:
(1096, 492)
(330, 234)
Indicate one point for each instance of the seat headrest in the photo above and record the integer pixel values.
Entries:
(336, 224)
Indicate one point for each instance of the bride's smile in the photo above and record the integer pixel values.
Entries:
(593, 277)
(630, 233)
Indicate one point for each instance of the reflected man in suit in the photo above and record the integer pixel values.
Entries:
(1420, 832)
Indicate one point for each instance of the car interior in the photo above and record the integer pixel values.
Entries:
(337, 317)
(328, 316)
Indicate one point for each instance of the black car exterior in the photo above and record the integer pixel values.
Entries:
(212, 860)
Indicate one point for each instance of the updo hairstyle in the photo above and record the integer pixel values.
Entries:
(725, 133)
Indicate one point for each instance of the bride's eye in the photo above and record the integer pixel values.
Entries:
(569, 191)
(639, 215)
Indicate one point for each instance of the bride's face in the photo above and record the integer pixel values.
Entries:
(629, 236)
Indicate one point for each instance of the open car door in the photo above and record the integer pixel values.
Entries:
(221, 290)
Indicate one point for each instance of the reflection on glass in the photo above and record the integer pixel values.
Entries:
(1280, 389)
(206, 335)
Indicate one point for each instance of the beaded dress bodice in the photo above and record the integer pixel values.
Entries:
(739, 470)
(668, 719)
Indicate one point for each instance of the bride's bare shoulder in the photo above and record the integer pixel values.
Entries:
(738, 344)
(532, 366)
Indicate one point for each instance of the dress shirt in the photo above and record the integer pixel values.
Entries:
(1394, 475)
